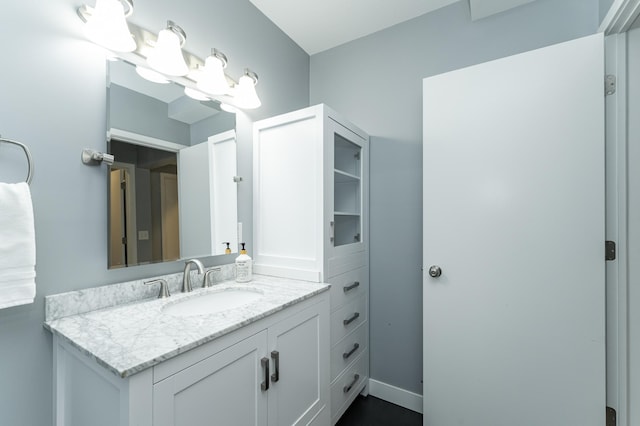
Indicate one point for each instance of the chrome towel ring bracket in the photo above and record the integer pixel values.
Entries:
(27, 153)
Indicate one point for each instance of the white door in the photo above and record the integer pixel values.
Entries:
(514, 217)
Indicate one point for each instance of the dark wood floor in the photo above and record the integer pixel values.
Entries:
(371, 411)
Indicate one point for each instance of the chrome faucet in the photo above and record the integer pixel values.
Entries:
(186, 279)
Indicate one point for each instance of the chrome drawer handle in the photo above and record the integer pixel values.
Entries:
(264, 386)
(347, 388)
(352, 319)
(346, 288)
(348, 354)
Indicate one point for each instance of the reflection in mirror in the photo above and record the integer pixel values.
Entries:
(172, 193)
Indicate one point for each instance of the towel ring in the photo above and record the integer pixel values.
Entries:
(27, 153)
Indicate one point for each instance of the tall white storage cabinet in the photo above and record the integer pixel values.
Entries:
(311, 219)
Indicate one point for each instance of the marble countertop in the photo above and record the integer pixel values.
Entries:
(130, 338)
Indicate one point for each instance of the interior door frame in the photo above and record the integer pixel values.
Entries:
(615, 24)
(166, 244)
(130, 211)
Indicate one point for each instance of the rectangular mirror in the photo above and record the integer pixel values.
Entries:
(172, 191)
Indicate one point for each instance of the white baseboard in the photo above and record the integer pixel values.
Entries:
(404, 398)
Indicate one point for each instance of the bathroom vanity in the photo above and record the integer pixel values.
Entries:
(165, 362)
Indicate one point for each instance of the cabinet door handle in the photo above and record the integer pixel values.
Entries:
(352, 319)
(275, 355)
(331, 231)
(347, 388)
(346, 355)
(264, 386)
(355, 284)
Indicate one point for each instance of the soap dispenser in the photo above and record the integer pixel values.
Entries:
(228, 249)
(243, 266)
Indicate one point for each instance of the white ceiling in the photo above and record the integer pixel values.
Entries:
(318, 25)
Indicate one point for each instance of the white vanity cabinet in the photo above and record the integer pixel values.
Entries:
(273, 372)
(311, 219)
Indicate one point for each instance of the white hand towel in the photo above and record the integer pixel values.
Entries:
(17, 246)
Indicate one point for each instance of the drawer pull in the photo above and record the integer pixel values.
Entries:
(346, 288)
(352, 319)
(264, 386)
(347, 388)
(275, 355)
(348, 354)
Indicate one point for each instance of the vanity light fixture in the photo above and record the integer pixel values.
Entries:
(245, 91)
(166, 56)
(151, 75)
(160, 59)
(211, 78)
(196, 94)
(106, 24)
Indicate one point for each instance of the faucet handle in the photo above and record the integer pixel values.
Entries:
(164, 287)
(207, 282)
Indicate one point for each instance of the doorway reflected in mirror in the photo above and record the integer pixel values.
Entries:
(143, 207)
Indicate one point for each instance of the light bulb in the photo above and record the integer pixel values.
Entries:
(166, 57)
(107, 26)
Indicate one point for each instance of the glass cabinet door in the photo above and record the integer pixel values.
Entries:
(347, 188)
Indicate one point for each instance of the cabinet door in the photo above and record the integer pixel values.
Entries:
(287, 196)
(224, 389)
(347, 201)
(300, 380)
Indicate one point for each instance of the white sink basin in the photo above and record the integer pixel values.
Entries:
(211, 303)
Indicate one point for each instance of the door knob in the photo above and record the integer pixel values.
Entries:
(435, 271)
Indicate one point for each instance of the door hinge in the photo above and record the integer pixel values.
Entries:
(610, 250)
(124, 240)
(611, 417)
(610, 84)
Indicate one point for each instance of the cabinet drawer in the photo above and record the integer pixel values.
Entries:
(348, 286)
(347, 318)
(348, 349)
(348, 385)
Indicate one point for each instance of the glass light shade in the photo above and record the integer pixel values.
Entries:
(195, 94)
(151, 75)
(245, 94)
(166, 57)
(107, 26)
(228, 108)
(212, 79)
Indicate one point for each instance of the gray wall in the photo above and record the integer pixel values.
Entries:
(376, 81)
(132, 111)
(53, 99)
(137, 113)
